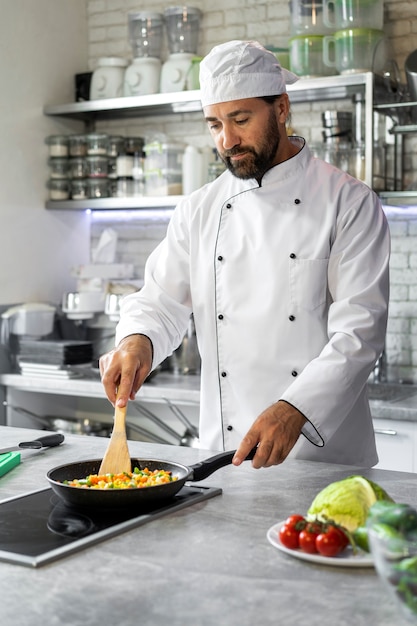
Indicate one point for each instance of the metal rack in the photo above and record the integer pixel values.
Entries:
(362, 88)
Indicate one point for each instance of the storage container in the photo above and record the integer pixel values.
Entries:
(96, 166)
(58, 145)
(115, 145)
(107, 79)
(77, 145)
(59, 189)
(79, 189)
(58, 167)
(97, 187)
(78, 167)
(97, 144)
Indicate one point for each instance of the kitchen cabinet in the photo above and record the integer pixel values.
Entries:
(361, 89)
(396, 442)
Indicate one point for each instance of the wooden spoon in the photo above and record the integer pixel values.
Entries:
(117, 457)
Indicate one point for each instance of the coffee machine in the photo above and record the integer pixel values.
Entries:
(182, 26)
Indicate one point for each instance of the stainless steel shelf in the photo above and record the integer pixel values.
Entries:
(133, 106)
(105, 204)
(306, 89)
(400, 199)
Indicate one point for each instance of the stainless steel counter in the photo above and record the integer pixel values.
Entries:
(393, 401)
(206, 565)
(164, 385)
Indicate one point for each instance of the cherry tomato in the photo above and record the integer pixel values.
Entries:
(307, 538)
(289, 537)
(344, 538)
(330, 542)
(296, 522)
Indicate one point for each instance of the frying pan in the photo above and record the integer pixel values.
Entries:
(116, 498)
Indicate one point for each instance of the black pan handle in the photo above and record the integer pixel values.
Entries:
(49, 441)
(202, 470)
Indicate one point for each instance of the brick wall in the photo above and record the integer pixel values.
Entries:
(269, 23)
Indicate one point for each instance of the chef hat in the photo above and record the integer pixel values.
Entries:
(241, 69)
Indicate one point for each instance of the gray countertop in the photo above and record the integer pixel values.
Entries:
(207, 565)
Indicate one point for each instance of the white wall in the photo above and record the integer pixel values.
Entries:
(43, 43)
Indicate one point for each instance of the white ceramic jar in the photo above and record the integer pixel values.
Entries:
(107, 79)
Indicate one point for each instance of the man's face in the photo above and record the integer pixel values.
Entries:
(246, 134)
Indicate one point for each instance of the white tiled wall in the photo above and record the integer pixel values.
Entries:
(268, 22)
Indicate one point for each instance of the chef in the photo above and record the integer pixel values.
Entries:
(283, 261)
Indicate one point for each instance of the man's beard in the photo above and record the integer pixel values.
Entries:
(256, 162)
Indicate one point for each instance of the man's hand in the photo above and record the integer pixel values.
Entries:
(124, 368)
(275, 431)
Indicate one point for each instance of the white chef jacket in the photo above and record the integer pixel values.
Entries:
(288, 283)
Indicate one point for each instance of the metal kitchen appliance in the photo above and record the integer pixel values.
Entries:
(32, 320)
(38, 527)
(182, 26)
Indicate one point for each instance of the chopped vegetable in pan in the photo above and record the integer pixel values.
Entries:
(125, 480)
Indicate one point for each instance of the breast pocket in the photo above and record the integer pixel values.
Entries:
(308, 283)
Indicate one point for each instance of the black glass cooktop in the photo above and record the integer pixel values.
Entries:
(38, 527)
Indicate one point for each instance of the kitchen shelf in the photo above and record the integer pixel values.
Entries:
(133, 106)
(112, 204)
(400, 199)
(362, 88)
(304, 90)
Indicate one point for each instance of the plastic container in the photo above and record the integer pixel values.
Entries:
(124, 187)
(58, 167)
(58, 145)
(163, 155)
(59, 189)
(191, 170)
(115, 145)
(193, 75)
(79, 189)
(306, 56)
(145, 30)
(124, 166)
(340, 14)
(353, 50)
(97, 187)
(307, 17)
(182, 26)
(77, 145)
(97, 144)
(97, 166)
(134, 145)
(77, 167)
(163, 183)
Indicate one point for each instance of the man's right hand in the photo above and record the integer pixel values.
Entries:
(124, 369)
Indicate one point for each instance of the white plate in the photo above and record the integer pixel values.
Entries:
(345, 559)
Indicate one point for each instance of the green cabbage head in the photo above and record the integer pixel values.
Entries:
(347, 501)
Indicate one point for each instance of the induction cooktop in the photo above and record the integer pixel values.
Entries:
(37, 528)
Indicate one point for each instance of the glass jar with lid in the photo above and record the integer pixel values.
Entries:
(96, 166)
(97, 187)
(58, 145)
(59, 188)
(116, 145)
(97, 144)
(134, 145)
(77, 145)
(78, 167)
(79, 189)
(58, 167)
